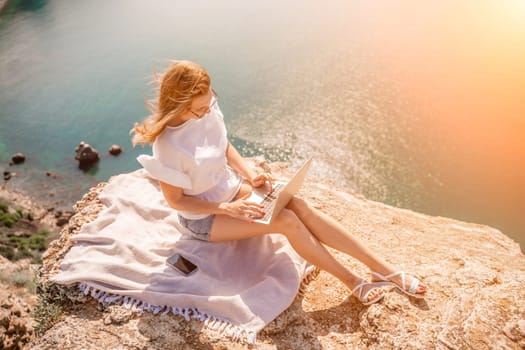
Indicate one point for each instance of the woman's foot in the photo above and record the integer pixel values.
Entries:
(406, 283)
(370, 292)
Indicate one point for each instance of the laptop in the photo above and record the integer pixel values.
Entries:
(282, 192)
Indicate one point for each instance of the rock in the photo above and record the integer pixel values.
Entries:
(5, 303)
(521, 327)
(16, 310)
(62, 221)
(107, 320)
(62, 218)
(16, 324)
(23, 228)
(119, 314)
(5, 318)
(115, 150)
(86, 155)
(19, 233)
(18, 158)
(7, 175)
(475, 275)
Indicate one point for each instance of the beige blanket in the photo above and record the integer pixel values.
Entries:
(121, 257)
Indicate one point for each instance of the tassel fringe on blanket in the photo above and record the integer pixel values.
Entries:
(211, 322)
(222, 327)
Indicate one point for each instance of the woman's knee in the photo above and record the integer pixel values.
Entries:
(288, 222)
(300, 207)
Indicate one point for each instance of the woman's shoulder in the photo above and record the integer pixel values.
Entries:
(170, 147)
(166, 141)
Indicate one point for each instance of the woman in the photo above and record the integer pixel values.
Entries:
(206, 180)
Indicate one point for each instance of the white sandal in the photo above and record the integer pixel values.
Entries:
(364, 298)
(413, 285)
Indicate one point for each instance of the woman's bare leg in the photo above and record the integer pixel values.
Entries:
(334, 235)
(226, 228)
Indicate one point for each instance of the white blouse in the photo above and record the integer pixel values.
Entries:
(193, 156)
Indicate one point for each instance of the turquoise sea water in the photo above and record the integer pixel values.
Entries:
(416, 105)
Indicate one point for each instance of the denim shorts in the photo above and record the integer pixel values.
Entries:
(200, 228)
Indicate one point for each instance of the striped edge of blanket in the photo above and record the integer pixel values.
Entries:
(211, 322)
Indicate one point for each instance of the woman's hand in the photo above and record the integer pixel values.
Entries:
(243, 209)
(262, 179)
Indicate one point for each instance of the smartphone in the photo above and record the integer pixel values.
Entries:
(181, 264)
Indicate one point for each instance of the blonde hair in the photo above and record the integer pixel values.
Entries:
(178, 86)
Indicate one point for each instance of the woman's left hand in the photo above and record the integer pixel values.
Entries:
(262, 179)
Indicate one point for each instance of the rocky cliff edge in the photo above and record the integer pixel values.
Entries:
(476, 277)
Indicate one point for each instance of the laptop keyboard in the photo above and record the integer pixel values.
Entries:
(269, 200)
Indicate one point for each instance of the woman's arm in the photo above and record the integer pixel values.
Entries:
(241, 208)
(237, 162)
(177, 200)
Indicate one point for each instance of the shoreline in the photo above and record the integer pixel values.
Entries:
(15, 193)
(19, 199)
(46, 215)
(43, 185)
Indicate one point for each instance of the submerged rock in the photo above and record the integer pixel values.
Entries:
(115, 150)
(50, 174)
(475, 275)
(18, 158)
(87, 156)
